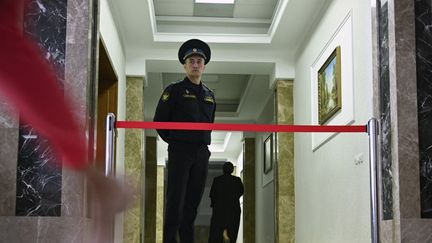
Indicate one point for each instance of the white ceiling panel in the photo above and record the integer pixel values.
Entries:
(173, 9)
(256, 2)
(259, 11)
(242, 17)
(213, 10)
(184, 25)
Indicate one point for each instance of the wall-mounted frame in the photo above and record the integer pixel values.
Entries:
(268, 154)
(343, 38)
(329, 87)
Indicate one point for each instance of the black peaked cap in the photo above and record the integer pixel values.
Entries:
(194, 47)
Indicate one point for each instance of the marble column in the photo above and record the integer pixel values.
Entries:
(39, 173)
(249, 190)
(80, 79)
(134, 159)
(400, 218)
(284, 165)
(160, 192)
(8, 159)
(423, 24)
(62, 30)
(150, 189)
(382, 110)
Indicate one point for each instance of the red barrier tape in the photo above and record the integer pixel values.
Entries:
(237, 127)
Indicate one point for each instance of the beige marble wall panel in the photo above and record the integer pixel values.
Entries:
(387, 232)
(8, 170)
(8, 115)
(44, 229)
(77, 63)
(375, 60)
(249, 191)
(8, 157)
(150, 189)
(134, 158)
(160, 203)
(416, 230)
(73, 194)
(404, 104)
(134, 98)
(77, 66)
(285, 196)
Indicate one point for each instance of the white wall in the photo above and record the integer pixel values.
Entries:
(239, 169)
(110, 38)
(264, 193)
(331, 190)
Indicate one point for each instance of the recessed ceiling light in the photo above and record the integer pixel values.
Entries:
(216, 1)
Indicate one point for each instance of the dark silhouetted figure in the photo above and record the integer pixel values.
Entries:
(225, 193)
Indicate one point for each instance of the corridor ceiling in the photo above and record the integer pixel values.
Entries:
(252, 41)
(241, 17)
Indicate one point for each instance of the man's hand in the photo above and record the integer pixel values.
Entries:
(226, 238)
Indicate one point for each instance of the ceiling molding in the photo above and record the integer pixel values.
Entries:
(245, 93)
(279, 11)
(213, 20)
(251, 38)
(214, 38)
(263, 105)
(152, 16)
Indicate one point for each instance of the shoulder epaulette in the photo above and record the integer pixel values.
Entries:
(176, 82)
(173, 84)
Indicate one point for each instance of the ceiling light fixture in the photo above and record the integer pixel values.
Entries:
(216, 1)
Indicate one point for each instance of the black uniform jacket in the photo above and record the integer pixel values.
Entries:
(185, 101)
(225, 193)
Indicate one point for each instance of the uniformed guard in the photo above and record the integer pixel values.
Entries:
(188, 100)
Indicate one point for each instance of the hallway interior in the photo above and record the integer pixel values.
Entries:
(273, 62)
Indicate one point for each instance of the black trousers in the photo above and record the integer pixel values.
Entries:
(224, 219)
(187, 174)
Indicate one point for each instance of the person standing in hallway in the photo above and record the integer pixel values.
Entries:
(225, 193)
(188, 100)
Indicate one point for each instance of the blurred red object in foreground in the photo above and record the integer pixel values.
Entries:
(27, 82)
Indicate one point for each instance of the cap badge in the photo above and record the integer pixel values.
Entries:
(194, 50)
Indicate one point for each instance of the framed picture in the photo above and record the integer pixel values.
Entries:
(329, 87)
(268, 154)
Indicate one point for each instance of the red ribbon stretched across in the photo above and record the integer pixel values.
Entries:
(238, 127)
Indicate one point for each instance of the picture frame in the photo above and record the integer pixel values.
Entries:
(268, 154)
(329, 87)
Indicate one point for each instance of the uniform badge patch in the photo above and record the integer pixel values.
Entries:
(189, 96)
(209, 99)
(165, 96)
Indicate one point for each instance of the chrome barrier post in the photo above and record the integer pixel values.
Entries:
(109, 144)
(372, 129)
